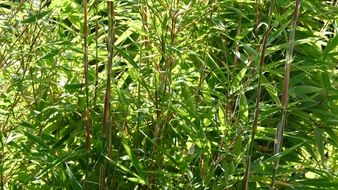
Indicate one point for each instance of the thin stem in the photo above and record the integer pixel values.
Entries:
(239, 30)
(85, 64)
(107, 128)
(285, 95)
(96, 54)
(258, 98)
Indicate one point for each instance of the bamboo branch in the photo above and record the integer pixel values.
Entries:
(106, 127)
(85, 64)
(258, 98)
(96, 54)
(285, 96)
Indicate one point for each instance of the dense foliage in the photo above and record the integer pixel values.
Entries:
(168, 94)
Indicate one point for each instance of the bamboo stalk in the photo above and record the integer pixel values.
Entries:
(258, 15)
(85, 64)
(106, 127)
(285, 96)
(143, 47)
(258, 98)
(96, 55)
(160, 92)
(239, 30)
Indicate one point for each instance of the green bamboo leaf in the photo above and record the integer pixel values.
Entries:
(126, 55)
(299, 42)
(66, 134)
(319, 142)
(211, 63)
(333, 43)
(73, 181)
(122, 97)
(305, 89)
(50, 54)
(172, 159)
(136, 180)
(241, 57)
(210, 175)
(332, 134)
(126, 34)
(275, 34)
(236, 84)
(302, 115)
(73, 87)
(134, 161)
(273, 92)
(243, 108)
(250, 50)
(188, 100)
(56, 162)
(283, 153)
(128, 171)
(322, 183)
(37, 140)
(34, 18)
(326, 79)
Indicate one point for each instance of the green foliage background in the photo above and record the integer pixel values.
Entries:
(185, 75)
